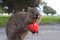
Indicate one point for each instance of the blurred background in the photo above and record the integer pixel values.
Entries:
(49, 9)
(49, 28)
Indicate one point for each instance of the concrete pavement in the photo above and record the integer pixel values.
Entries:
(46, 32)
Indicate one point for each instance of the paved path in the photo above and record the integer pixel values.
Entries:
(46, 32)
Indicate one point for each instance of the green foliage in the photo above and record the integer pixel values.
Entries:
(48, 10)
(2, 5)
(53, 12)
(1, 10)
(18, 5)
(43, 3)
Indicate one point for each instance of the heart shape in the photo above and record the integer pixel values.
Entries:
(33, 27)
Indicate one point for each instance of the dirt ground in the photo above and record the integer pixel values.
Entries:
(46, 32)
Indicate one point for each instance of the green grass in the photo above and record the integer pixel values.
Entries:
(44, 19)
(50, 19)
(3, 20)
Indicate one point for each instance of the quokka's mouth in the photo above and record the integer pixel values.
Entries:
(34, 32)
(37, 17)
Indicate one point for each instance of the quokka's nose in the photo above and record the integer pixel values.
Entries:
(37, 16)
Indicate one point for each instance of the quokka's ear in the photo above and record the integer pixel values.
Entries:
(29, 9)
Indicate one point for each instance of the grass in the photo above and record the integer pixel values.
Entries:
(44, 19)
(3, 20)
(50, 19)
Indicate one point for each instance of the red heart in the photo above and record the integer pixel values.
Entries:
(33, 27)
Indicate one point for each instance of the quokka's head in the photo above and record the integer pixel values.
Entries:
(34, 14)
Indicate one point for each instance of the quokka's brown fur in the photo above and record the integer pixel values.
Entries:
(17, 25)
